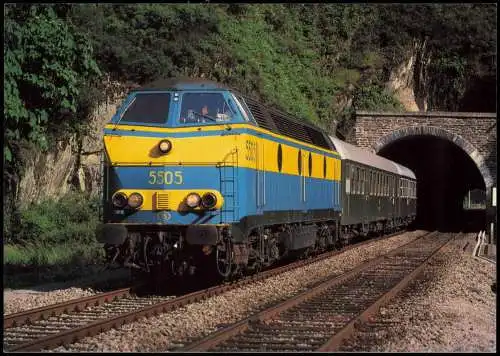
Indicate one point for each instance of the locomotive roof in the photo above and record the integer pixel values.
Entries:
(187, 83)
(357, 154)
(183, 83)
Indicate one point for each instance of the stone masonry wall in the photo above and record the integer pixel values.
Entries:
(475, 133)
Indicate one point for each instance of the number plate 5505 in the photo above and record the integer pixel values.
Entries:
(165, 177)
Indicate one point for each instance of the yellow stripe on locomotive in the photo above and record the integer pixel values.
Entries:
(252, 152)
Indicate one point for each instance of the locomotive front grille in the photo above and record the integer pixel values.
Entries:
(161, 201)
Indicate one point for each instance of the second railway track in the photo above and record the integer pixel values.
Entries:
(322, 317)
(67, 322)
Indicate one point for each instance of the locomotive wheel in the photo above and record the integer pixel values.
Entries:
(224, 258)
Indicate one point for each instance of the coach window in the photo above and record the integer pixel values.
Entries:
(347, 178)
(360, 188)
(380, 184)
(353, 179)
(372, 183)
(353, 176)
(362, 181)
(358, 180)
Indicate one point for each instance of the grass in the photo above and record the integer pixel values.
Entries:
(51, 255)
(36, 264)
(52, 241)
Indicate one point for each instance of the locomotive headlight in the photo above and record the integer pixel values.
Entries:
(119, 200)
(193, 200)
(165, 146)
(209, 200)
(135, 200)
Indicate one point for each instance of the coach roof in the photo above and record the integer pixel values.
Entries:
(357, 154)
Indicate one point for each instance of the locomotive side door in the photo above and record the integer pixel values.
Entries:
(302, 167)
(261, 176)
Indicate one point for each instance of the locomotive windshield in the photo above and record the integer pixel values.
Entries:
(206, 108)
(149, 108)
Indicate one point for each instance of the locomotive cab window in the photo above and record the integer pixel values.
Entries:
(147, 108)
(207, 108)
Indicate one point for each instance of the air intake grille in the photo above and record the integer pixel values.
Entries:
(290, 128)
(161, 201)
(260, 115)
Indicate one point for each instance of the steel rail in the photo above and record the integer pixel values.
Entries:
(75, 305)
(225, 334)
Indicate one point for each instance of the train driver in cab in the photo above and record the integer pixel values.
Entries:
(213, 108)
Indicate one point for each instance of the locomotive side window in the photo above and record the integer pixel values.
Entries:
(310, 164)
(206, 108)
(243, 107)
(148, 108)
(299, 162)
(280, 158)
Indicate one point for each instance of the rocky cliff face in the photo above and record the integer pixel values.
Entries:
(408, 80)
(74, 162)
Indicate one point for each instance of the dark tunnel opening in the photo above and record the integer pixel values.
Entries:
(445, 173)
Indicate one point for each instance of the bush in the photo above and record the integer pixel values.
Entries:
(375, 98)
(71, 219)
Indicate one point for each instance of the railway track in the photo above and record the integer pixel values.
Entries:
(65, 323)
(322, 317)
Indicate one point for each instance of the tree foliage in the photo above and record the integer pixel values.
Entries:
(45, 65)
(297, 56)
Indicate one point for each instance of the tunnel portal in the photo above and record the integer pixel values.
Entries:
(445, 174)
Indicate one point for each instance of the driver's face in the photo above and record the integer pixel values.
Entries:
(204, 110)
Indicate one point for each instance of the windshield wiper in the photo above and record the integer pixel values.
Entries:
(205, 116)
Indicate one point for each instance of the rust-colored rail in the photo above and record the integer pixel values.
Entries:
(76, 305)
(329, 310)
(101, 325)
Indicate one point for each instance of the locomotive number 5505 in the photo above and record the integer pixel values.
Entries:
(165, 177)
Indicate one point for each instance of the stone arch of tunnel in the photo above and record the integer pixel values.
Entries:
(446, 166)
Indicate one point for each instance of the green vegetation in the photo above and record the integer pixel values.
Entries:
(56, 233)
(36, 255)
(72, 218)
(300, 57)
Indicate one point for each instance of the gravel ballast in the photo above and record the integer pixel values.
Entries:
(449, 308)
(18, 300)
(173, 329)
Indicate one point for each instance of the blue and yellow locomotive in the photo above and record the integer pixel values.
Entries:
(197, 173)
